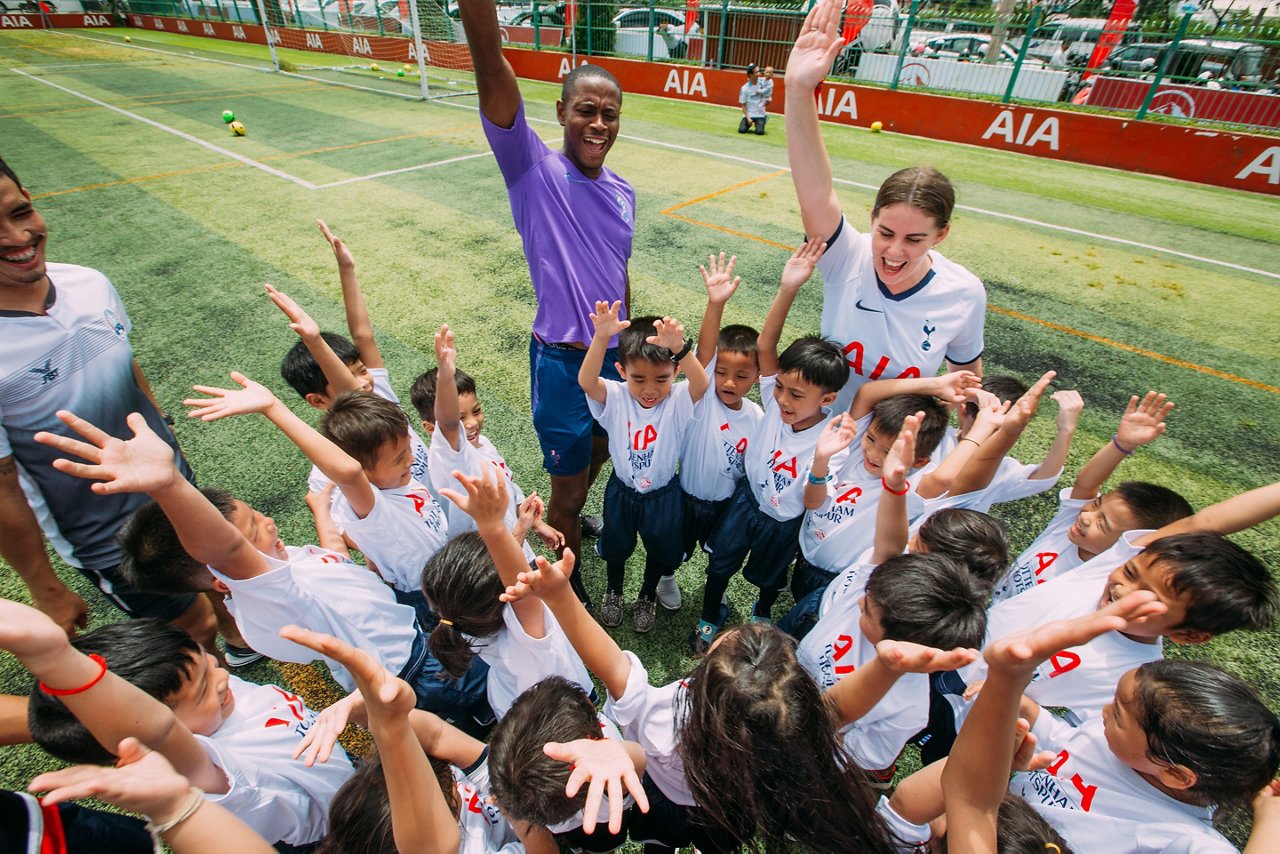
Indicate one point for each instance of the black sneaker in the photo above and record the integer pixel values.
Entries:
(592, 527)
(240, 656)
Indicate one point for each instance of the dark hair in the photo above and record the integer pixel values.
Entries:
(1229, 588)
(887, 417)
(527, 784)
(737, 338)
(632, 343)
(1211, 722)
(463, 585)
(1003, 386)
(423, 392)
(817, 361)
(362, 424)
(360, 812)
(922, 187)
(929, 599)
(978, 540)
(153, 655)
(7, 172)
(762, 753)
(1020, 830)
(301, 371)
(153, 558)
(1152, 506)
(570, 82)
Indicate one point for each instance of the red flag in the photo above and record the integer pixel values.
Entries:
(1121, 15)
(856, 15)
(570, 17)
(690, 15)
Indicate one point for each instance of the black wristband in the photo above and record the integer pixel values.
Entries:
(679, 357)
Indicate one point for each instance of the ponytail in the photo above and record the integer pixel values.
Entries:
(463, 586)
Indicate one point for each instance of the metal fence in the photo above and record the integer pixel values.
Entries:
(1173, 70)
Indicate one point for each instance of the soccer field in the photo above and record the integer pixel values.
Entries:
(1120, 282)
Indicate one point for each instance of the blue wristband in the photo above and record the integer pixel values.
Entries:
(820, 481)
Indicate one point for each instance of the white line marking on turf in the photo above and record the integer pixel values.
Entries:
(264, 69)
(347, 85)
(403, 170)
(182, 134)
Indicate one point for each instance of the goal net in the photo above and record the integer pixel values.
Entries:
(411, 48)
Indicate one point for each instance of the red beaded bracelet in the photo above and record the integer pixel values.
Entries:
(889, 489)
(64, 692)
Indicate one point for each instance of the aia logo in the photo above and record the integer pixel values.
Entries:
(48, 373)
(292, 713)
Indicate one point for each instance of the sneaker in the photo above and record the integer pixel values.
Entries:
(611, 609)
(643, 615)
(239, 656)
(669, 593)
(592, 527)
(883, 780)
(701, 638)
(756, 618)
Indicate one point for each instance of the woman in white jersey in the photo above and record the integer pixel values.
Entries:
(894, 305)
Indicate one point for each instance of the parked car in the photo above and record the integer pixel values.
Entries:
(967, 47)
(1194, 60)
(634, 33)
(1078, 37)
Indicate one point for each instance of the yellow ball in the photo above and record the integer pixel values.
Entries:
(129, 40)
(374, 67)
(408, 67)
(876, 127)
(237, 129)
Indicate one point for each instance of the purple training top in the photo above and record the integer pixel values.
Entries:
(576, 230)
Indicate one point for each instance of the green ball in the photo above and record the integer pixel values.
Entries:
(228, 116)
(399, 72)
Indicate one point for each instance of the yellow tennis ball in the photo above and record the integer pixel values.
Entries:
(237, 129)
(876, 127)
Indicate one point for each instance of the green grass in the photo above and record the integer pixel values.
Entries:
(189, 236)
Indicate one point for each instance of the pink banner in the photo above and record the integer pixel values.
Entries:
(1117, 23)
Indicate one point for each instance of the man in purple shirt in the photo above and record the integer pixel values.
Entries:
(576, 220)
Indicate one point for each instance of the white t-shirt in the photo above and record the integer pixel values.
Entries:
(470, 460)
(405, 528)
(484, 830)
(316, 481)
(1051, 554)
(644, 443)
(1100, 804)
(1082, 678)
(276, 795)
(845, 525)
(711, 462)
(849, 585)
(779, 458)
(517, 661)
(836, 647)
(887, 336)
(647, 716)
(325, 592)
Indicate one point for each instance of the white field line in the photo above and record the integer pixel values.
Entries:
(264, 69)
(248, 161)
(404, 169)
(1092, 235)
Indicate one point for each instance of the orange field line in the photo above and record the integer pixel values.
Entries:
(1057, 327)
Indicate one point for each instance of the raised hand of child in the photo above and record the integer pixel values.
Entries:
(1024, 408)
(485, 500)
(1070, 405)
(605, 319)
(251, 398)
(719, 278)
(387, 698)
(341, 253)
(902, 454)
(446, 352)
(799, 266)
(318, 741)
(142, 781)
(1025, 755)
(669, 333)
(31, 636)
(906, 657)
(299, 321)
(547, 582)
(141, 464)
(837, 435)
(1143, 422)
(816, 47)
(991, 415)
(607, 768)
(953, 385)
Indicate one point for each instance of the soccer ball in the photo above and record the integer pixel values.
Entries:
(237, 129)
(374, 67)
(228, 116)
(129, 40)
(399, 72)
(876, 127)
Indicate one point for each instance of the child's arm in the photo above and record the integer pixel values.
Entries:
(448, 410)
(335, 463)
(856, 694)
(949, 387)
(353, 301)
(606, 322)
(1226, 517)
(670, 334)
(599, 652)
(337, 374)
(981, 468)
(798, 269)
(1070, 405)
(145, 464)
(1142, 423)
(327, 534)
(837, 435)
(485, 501)
(892, 527)
(1266, 821)
(110, 708)
(721, 284)
(13, 720)
(145, 782)
(942, 478)
(420, 817)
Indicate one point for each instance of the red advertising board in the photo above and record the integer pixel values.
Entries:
(1199, 102)
(36, 21)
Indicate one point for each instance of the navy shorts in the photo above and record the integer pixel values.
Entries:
(700, 519)
(675, 826)
(653, 515)
(746, 529)
(803, 616)
(139, 603)
(463, 702)
(560, 416)
(417, 600)
(808, 578)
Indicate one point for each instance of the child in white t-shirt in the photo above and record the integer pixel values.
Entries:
(646, 416)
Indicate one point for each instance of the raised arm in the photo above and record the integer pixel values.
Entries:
(978, 471)
(335, 372)
(837, 435)
(327, 534)
(941, 479)
(811, 57)
(358, 323)
(1070, 405)
(669, 333)
(721, 284)
(1226, 517)
(796, 272)
(949, 388)
(858, 693)
(606, 322)
(1142, 422)
(495, 79)
(892, 526)
(448, 410)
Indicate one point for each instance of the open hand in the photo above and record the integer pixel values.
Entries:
(299, 321)
(837, 435)
(669, 333)
(222, 403)
(546, 582)
(141, 782)
(905, 657)
(1143, 422)
(606, 767)
(605, 319)
(141, 464)
(1070, 405)
(341, 254)
(816, 47)
(799, 266)
(902, 454)
(953, 384)
(318, 742)
(486, 495)
(446, 352)
(719, 278)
